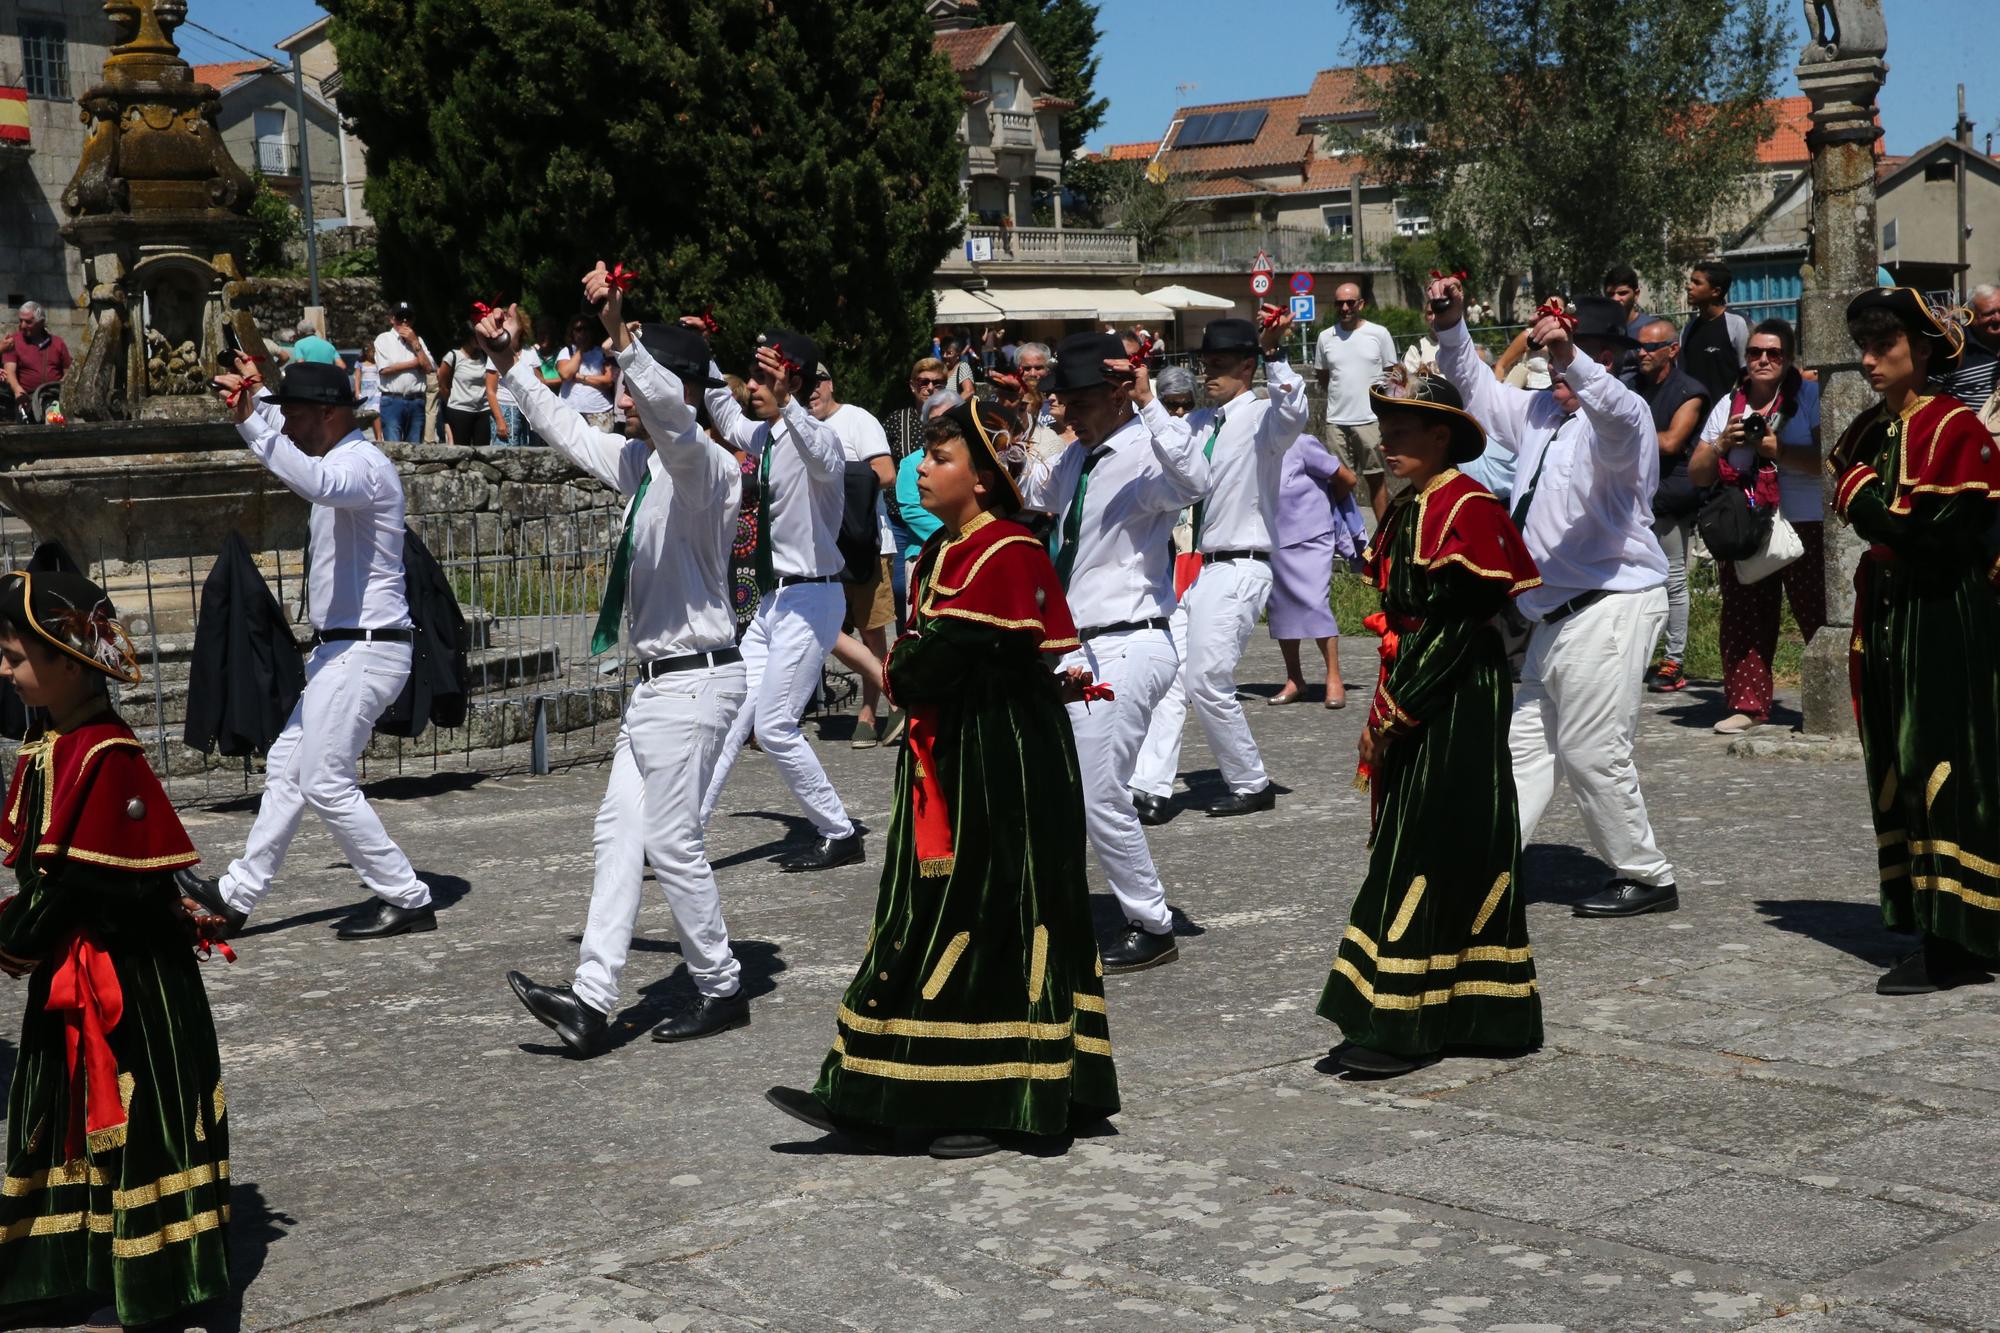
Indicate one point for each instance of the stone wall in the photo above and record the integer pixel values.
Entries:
(355, 312)
(492, 500)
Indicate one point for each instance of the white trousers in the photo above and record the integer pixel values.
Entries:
(665, 754)
(783, 651)
(311, 766)
(1211, 628)
(1138, 666)
(1577, 713)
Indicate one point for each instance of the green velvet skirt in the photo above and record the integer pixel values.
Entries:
(1436, 951)
(139, 1214)
(1929, 636)
(979, 1003)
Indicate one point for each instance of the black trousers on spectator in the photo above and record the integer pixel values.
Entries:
(469, 428)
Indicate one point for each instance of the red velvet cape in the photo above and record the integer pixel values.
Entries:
(101, 804)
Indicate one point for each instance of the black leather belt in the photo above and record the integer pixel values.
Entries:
(667, 666)
(1265, 556)
(1122, 627)
(403, 635)
(418, 394)
(1574, 605)
(790, 579)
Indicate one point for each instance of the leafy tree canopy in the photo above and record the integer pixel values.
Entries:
(788, 163)
(1568, 135)
(1064, 35)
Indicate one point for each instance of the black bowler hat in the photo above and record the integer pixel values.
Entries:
(316, 384)
(1231, 337)
(1914, 313)
(72, 615)
(1601, 318)
(682, 350)
(1434, 398)
(795, 347)
(1080, 361)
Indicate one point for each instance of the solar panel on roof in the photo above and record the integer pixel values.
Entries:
(1243, 126)
(1194, 130)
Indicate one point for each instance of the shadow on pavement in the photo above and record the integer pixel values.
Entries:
(672, 992)
(1561, 874)
(400, 787)
(799, 834)
(1852, 928)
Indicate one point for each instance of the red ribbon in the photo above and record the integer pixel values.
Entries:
(930, 817)
(1094, 693)
(620, 278)
(480, 309)
(708, 324)
(1458, 276)
(1549, 309)
(250, 381)
(207, 948)
(1378, 624)
(84, 992)
(1268, 315)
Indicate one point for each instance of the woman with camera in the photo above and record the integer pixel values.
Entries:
(1764, 438)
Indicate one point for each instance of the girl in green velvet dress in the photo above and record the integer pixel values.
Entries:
(1436, 950)
(979, 1005)
(117, 1177)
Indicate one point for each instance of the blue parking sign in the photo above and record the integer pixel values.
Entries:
(1303, 309)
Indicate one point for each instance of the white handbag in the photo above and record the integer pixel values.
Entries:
(1781, 547)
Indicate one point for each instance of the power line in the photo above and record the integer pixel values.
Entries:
(227, 41)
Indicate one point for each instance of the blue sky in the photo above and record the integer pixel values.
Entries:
(1256, 48)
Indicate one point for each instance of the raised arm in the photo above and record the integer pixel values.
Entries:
(1501, 408)
(1279, 429)
(1623, 422)
(730, 421)
(338, 481)
(615, 460)
(704, 473)
(818, 443)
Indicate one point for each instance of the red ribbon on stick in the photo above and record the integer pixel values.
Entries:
(1553, 309)
(620, 278)
(1268, 315)
(708, 324)
(1458, 276)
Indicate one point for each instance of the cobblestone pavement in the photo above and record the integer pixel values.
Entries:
(1727, 1129)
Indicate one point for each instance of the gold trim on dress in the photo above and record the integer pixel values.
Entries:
(957, 1073)
(1504, 990)
(1952, 851)
(1492, 903)
(173, 862)
(1408, 911)
(1946, 884)
(1939, 776)
(173, 1233)
(1093, 1046)
(1038, 964)
(1437, 962)
(935, 867)
(1088, 1004)
(178, 1183)
(924, 1027)
(1891, 838)
(76, 1171)
(953, 950)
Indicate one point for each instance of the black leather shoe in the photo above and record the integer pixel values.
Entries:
(1236, 803)
(208, 892)
(825, 855)
(949, 1146)
(708, 1015)
(1153, 810)
(1627, 897)
(1939, 965)
(1371, 1063)
(386, 919)
(804, 1107)
(1138, 949)
(581, 1027)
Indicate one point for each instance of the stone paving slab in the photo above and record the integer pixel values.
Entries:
(1727, 1130)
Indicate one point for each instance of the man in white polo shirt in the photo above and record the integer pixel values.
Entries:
(404, 364)
(1587, 462)
(1354, 354)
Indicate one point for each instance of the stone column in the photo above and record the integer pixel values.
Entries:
(1841, 73)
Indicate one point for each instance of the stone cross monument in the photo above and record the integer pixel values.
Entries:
(1841, 72)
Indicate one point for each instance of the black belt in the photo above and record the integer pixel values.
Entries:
(403, 635)
(1265, 556)
(1574, 605)
(667, 666)
(418, 394)
(790, 579)
(1122, 627)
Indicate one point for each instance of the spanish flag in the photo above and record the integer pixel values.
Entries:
(13, 115)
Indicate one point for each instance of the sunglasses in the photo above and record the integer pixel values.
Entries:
(1764, 353)
(1344, 304)
(1177, 404)
(1657, 347)
(928, 382)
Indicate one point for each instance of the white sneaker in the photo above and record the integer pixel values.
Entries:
(1736, 724)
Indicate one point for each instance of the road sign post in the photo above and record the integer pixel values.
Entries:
(1305, 310)
(1302, 284)
(1260, 283)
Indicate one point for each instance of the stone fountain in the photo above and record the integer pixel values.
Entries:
(147, 465)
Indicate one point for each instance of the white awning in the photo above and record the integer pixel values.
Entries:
(1119, 307)
(956, 306)
(1187, 298)
(1109, 305)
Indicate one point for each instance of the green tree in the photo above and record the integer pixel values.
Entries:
(789, 164)
(1064, 35)
(1127, 197)
(278, 226)
(1567, 135)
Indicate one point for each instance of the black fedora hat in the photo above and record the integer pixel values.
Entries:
(1234, 337)
(316, 384)
(1080, 361)
(1918, 319)
(682, 350)
(1601, 318)
(797, 348)
(1438, 402)
(985, 430)
(72, 615)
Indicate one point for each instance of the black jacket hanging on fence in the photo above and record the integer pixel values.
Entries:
(439, 676)
(247, 672)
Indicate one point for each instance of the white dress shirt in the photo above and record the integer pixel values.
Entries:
(1146, 472)
(677, 588)
(1240, 512)
(804, 467)
(1590, 523)
(356, 579)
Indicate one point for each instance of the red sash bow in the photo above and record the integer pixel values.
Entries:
(1268, 315)
(620, 277)
(84, 990)
(930, 817)
(1553, 309)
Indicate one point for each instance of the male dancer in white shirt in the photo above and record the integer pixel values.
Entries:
(1587, 463)
(1116, 496)
(802, 494)
(669, 580)
(1245, 441)
(306, 435)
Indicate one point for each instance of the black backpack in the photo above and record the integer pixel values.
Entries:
(1731, 527)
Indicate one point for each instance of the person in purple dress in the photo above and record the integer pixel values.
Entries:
(1317, 519)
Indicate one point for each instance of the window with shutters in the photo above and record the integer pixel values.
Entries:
(45, 59)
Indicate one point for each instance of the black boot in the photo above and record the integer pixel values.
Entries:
(708, 1015)
(1138, 949)
(581, 1027)
(385, 919)
(208, 893)
(1939, 965)
(1371, 1063)
(1152, 810)
(950, 1146)
(824, 854)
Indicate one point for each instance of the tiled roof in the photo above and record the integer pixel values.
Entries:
(1785, 145)
(967, 48)
(1337, 92)
(220, 76)
(1278, 143)
(1132, 152)
(1223, 187)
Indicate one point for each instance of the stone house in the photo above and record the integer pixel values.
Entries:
(259, 127)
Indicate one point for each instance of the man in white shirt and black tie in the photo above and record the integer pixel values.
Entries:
(1587, 463)
(1116, 496)
(1245, 441)
(306, 435)
(802, 494)
(668, 589)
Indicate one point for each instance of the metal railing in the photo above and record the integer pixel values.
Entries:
(276, 158)
(1051, 245)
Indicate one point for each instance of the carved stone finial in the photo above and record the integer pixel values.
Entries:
(1844, 30)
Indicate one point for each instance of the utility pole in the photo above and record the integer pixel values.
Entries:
(1962, 134)
(306, 182)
